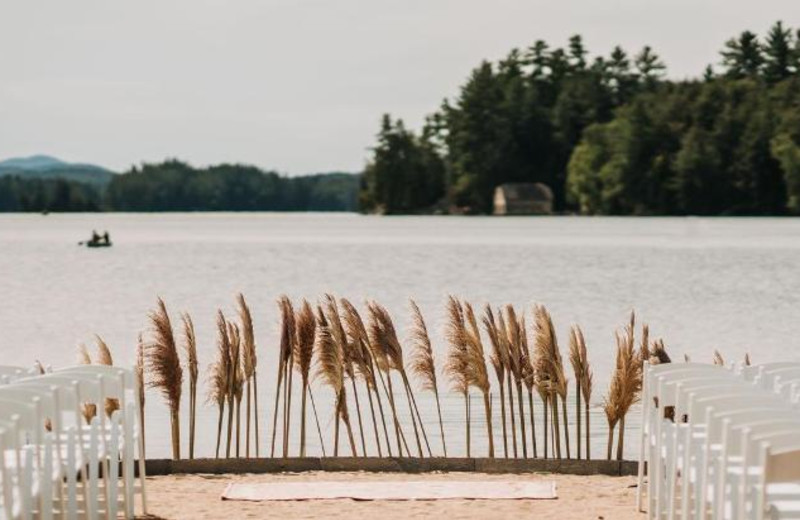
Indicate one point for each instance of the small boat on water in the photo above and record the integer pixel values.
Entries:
(98, 243)
(97, 240)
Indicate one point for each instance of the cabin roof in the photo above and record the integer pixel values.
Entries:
(519, 191)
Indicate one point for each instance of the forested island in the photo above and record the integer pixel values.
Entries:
(608, 134)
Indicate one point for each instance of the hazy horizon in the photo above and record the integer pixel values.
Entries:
(295, 86)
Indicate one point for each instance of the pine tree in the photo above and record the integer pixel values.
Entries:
(622, 79)
(742, 56)
(577, 53)
(778, 54)
(537, 56)
(650, 67)
(709, 74)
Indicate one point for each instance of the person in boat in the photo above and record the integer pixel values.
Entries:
(106, 238)
(95, 237)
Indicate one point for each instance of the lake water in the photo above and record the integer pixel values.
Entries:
(701, 284)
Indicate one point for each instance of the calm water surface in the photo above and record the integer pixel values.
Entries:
(701, 284)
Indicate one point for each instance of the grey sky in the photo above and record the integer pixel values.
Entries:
(295, 85)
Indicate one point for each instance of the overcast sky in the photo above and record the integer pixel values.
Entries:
(295, 85)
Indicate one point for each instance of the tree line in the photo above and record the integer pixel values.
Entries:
(173, 185)
(608, 134)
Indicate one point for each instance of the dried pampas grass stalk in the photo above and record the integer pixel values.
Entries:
(562, 386)
(499, 360)
(457, 365)
(330, 367)
(164, 369)
(237, 377)
(316, 418)
(529, 378)
(350, 358)
(104, 358)
(218, 374)
(250, 366)
(231, 381)
(139, 370)
(359, 338)
(502, 336)
(625, 387)
(192, 367)
(610, 407)
(361, 357)
(544, 388)
(478, 373)
(103, 352)
(88, 410)
(587, 378)
(422, 362)
(580, 365)
(291, 329)
(380, 353)
(287, 335)
(383, 331)
(83, 355)
(518, 365)
(306, 329)
(556, 381)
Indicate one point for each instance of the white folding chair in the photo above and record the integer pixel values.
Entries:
(779, 461)
(702, 446)
(121, 384)
(46, 415)
(7, 477)
(751, 373)
(91, 441)
(736, 468)
(652, 410)
(32, 458)
(662, 452)
(711, 439)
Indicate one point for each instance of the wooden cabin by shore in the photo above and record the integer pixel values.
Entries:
(523, 198)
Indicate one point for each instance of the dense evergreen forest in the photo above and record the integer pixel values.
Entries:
(609, 135)
(176, 186)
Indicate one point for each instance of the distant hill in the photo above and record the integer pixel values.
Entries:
(46, 167)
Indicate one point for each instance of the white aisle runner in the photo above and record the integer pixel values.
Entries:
(392, 490)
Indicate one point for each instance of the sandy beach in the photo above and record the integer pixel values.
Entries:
(579, 497)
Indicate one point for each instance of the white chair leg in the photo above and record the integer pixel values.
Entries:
(72, 485)
(127, 464)
(645, 432)
(7, 489)
(137, 442)
(686, 478)
(702, 486)
(113, 465)
(722, 474)
(26, 487)
(46, 482)
(92, 505)
(653, 460)
(672, 475)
